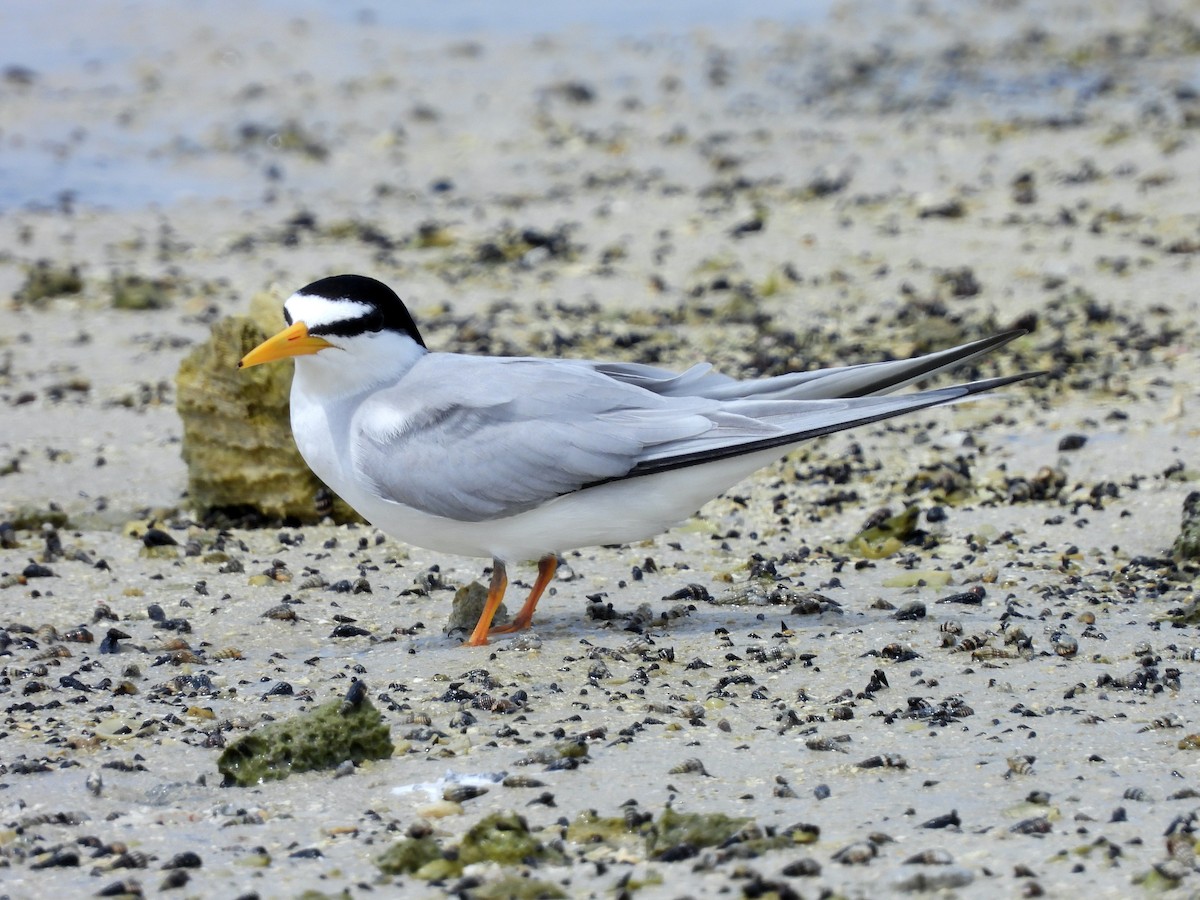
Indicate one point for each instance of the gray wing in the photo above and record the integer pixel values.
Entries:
(474, 438)
(477, 438)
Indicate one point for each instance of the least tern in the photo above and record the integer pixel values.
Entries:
(518, 458)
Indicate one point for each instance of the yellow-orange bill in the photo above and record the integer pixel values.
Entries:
(292, 341)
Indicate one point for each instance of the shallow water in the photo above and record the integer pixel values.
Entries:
(47, 161)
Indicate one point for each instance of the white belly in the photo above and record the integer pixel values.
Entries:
(614, 513)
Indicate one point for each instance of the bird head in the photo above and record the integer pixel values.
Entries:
(358, 325)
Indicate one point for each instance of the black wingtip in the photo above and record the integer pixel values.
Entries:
(990, 384)
(931, 398)
(938, 361)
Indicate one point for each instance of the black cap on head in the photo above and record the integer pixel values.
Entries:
(387, 310)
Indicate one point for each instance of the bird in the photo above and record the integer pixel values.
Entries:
(521, 458)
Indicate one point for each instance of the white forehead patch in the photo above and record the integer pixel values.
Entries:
(315, 311)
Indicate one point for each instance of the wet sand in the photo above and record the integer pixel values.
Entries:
(763, 196)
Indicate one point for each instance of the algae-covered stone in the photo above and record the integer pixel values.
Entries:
(571, 749)
(663, 837)
(136, 292)
(514, 887)
(409, 855)
(693, 829)
(439, 869)
(320, 739)
(882, 539)
(504, 838)
(1187, 545)
(237, 439)
(31, 518)
(612, 831)
(45, 280)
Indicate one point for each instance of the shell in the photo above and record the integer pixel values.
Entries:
(827, 744)
(1020, 765)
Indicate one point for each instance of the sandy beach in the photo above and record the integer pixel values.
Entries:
(1006, 706)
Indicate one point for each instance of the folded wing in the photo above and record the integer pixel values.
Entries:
(494, 437)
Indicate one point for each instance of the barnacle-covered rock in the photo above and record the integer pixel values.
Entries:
(237, 439)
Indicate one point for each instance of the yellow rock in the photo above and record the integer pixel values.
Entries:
(237, 439)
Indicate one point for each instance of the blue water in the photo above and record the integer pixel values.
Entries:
(81, 47)
(615, 17)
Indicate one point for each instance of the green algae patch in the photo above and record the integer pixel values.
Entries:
(887, 537)
(350, 729)
(1156, 881)
(513, 887)
(138, 293)
(571, 749)
(675, 836)
(590, 828)
(505, 838)
(32, 518)
(45, 280)
(674, 829)
(802, 833)
(439, 869)
(409, 856)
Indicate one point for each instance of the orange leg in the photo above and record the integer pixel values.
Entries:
(547, 566)
(495, 597)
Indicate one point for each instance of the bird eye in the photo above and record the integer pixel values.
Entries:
(374, 321)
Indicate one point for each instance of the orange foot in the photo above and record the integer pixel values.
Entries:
(547, 565)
